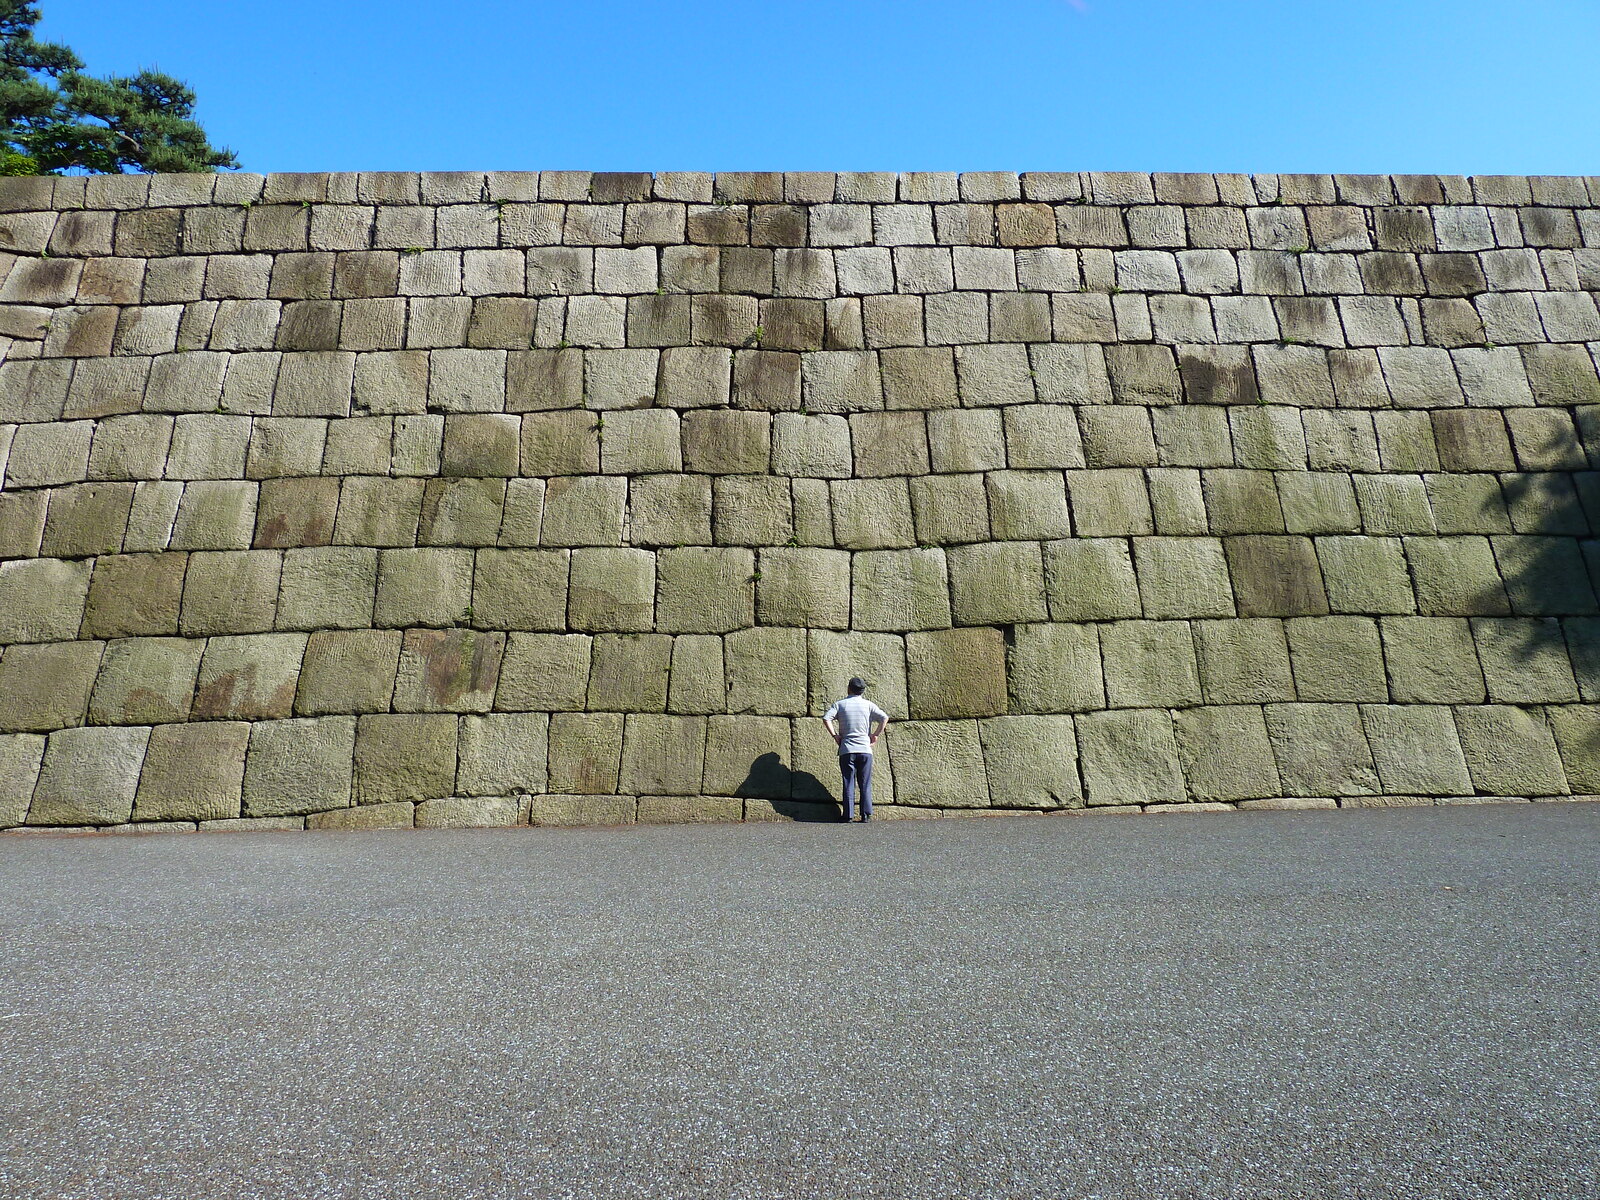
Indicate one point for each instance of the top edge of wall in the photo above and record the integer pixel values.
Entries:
(787, 187)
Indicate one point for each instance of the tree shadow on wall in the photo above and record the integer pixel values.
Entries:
(797, 795)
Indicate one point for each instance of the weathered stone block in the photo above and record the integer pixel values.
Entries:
(134, 594)
(705, 589)
(804, 587)
(398, 815)
(192, 772)
(1130, 757)
(879, 658)
(348, 671)
(1226, 754)
(747, 756)
(675, 510)
(663, 754)
(1416, 750)
(1090, 579)
(1321, 750)
(998, 583)
(751, 510)
(544, 671)
(520, 589)
(896, 590)
(697, 683)
(45, 687)
(726, 443)
(477, 445)
(1276, 576)
(1510, 751)
(502, 754)
(1110, 502)
(469, 512)
(1031, 762)
(1243, 661)
(1149, 663)
(629, 672)
(940, 764)
(521, 516)
(1432, 660)
(872, 514)
(1183, 577)
(918, 378)
(1577, 734)
(249, 678)
(423, 587)
(583, 810)
(20, 756)
(971, 439)
(21, 522)
(1056, 669)
(296, 512)
(89, 776)
(611, 589)
(1524, 661)
(957, 673)
(1028, 505)
(585, 751)
(145, 681)
(448, 670)
(1455, 576)
(375, 511)
(766, 672)
(327, 587)
(1041, 436)
(1337, 658)
(470, 812)
(638, 442)
(584, 510)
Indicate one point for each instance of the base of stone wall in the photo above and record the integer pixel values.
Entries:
(505, 812)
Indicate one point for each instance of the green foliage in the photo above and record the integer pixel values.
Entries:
(59, 119)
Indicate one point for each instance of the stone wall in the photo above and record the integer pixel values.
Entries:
(387, 499)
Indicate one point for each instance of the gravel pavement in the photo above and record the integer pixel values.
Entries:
(1367, 1004)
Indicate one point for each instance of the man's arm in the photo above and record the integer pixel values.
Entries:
(831, 725)
(880, 723)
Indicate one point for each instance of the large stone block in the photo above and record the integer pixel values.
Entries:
(1276, 576)
(1029, 505)
(1524, 661)
(566, 442)
(1031, 762)
(229, 591)
(662, 754)
(1321, 750)
(705, 589)
(585, 752)
(726, 442)
(1577, 734)
(836, 658)
(471, 512)
(940, 764)
(192, 772)
(766, 671)
(399, 815)
(1416, 750)
(375, 511)
(145, 681)
(470, 812)
(1226, 754)
(1432, 660)
(327, 587)
(813, 447)
(890, 443)
(503, 754)
(1243, 661)
(249, 678)
(348, 671)
(611, 590)
(583, 810)
(896, 590)
(1056, 669)
(42, 599)
(133, 594)
(424, 587)
(748, 756)
(520, 589)
(803, 587)
(1112, 502)
(997, 583)
(45, 687)
(1090, 579)
(544, 671)
(89, 776)
(629, 672)
(1183, 577)
(1365, 575)
(698, 681)
(751, 510)
(448, 670)
(1337, 658)
(296, 512)
(1149, 664)
(299, 766)
(1510, 752)
(957, 673)
(872, 514)
(20, 756)
(1456, 576)
(1130, 757)
(675, 510)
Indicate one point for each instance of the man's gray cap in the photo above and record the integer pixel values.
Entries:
(858, 684)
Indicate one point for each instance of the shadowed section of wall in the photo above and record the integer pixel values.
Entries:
(360, 500)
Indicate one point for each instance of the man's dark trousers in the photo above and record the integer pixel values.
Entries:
(857, 771)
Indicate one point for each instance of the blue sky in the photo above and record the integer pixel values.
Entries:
(1456, 86)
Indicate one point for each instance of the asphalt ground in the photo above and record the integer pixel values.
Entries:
(1367, 1004)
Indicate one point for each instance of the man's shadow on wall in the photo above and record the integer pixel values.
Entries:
(797, 795)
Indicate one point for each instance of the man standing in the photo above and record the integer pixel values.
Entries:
(855, 724)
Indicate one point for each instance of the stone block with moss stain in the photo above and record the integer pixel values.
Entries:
(611, 590)
(1276, 576)
(192, 772)
(1432, 660)
(1055, 668)
(1225, 753)
(404, 756)
(89, 776)
(997, 583)
(448, 670)
(136, 594)
(376, 511)
(470, 512)
(399, 814)
(585, 752)
(1525, 660)
(584, 511)
(1090, 579)
(957, 673)
(544, 671)
(231, 591)
(939, 764)
(722, 442)
(1032, 762)
(662, 754)
(675, 510)
(1321, 750)
(1244, 661)
(1183, 577)
(249, 678)
(629, 672)
(566, 442)
(1510, 751)
(1149, 664)
(1577, 733)
(697, 684)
